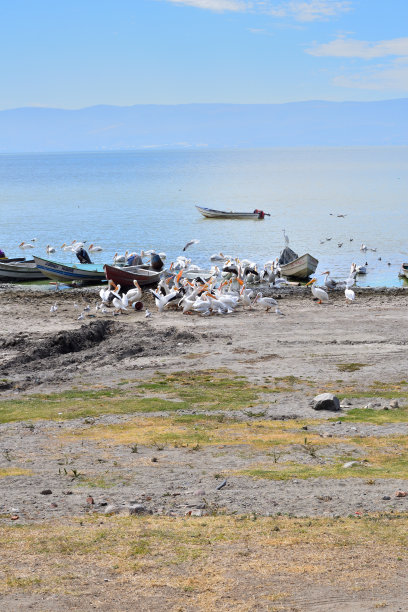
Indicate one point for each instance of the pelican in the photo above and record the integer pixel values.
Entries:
(49, 249)
(26, 245)
(265, 302)
(219, 257)
(119, 259)
(330, 283)
(350, 295)
(134, 295)
(94, 248)
(318, 293)
(163, 300)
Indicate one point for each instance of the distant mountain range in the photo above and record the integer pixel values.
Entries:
(314, 123)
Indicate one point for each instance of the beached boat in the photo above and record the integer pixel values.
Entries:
(302, 267)
(56, 271)
(20, 270)
(404, 270)
(210, 213)
(125, 276)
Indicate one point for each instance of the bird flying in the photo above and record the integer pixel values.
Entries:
(189, 243)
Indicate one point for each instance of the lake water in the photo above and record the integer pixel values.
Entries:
(145, 199)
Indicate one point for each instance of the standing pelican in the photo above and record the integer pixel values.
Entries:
(318, 292)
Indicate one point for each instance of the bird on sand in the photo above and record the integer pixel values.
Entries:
(148, 313)
(350, 295)
(189, 243)
(54, 307)
(318, 292)
(279, 312)
(265, 302)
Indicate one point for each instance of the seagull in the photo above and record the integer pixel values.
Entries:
(318, 293)
(87, 308)
(81, 316)
(189, 243)
(148, 314)
(328, 239)
(54, 307)
(342, 216)
(279, 312)
(339, 244)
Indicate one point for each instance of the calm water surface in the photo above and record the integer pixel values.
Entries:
(145, 199)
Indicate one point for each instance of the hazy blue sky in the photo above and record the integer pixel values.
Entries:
(76, 53)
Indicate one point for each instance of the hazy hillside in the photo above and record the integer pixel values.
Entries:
(212, 125)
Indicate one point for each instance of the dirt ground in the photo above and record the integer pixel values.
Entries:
(44, 352)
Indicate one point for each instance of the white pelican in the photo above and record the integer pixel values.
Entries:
(163, 300)
(350, 295)
(134, 295)
(50, 249)
(219, 257)
(189, 243)
(330, 283)
(318, 293)
(26, 245)
(119, 259)
(265, 302)
(94, 248)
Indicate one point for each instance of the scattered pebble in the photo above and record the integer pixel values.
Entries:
(401, 494)
(46, 492)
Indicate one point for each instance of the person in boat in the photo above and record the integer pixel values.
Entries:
(261, 214)
(83, 256)
(2, 254)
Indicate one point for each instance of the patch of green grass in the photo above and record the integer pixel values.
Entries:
(350, 367)
(377, 417)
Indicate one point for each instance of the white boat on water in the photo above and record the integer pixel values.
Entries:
(211, 213)
(302, 267)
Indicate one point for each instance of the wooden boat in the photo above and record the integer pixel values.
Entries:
(125, 276)
(20, 270)
(210, 213)
(404, 270)
(56, 271)
(302, 267)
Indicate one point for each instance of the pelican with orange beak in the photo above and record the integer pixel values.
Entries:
(318, 292)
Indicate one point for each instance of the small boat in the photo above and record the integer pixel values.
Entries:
(124, 277)
(193, 274)
(20, 270)
(56, 271)
(224, 214)
(403, 273)
(302, 267)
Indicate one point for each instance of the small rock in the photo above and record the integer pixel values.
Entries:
(401, 494)
(90, 500)
(199, 492)
(326, 401)
(386, 497)
(394, 403)
(154, 460)
(369, 406)
(14, 517)
(112, 509)
(304, 427)
(67, 492)
(345, 403)
(46, 492)
(54, 505)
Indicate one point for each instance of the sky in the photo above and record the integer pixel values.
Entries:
(78, 53)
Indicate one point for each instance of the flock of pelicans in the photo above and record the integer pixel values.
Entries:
(230, 285)
(228, 288)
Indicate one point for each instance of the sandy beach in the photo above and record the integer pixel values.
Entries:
(207, 419)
